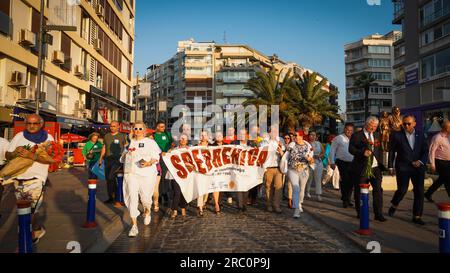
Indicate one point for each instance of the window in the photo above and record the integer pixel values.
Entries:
(436, 64)
(379, 49)
(381, 76)
(379, 63)
(428, 67)
(399, 51)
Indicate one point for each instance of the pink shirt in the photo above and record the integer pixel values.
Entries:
(440, 148)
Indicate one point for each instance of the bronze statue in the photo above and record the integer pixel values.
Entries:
(395, 119)
(385, 130)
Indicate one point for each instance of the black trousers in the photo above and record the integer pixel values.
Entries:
(417, 178)
(178, 200)
(242, 199)
(443, 169)
(377, 193)
(346, 183)
(112, 165)
(164, 185)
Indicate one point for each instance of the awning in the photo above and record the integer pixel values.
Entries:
(67, 122)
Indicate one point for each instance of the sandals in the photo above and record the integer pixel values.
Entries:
(173, 215)
(183, 213)
(200, 212)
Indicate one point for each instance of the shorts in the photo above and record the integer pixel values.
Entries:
(158, 167)
(33, 189)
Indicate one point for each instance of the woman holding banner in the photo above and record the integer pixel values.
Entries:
(201, 200)
(216, 195)
(178, 200)
(140, 174)
(296, 162)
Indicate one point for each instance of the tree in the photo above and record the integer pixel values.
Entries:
(365, 81)
(271, 89)
(312, 101)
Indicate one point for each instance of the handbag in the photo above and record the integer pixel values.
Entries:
(89, 154)
(99, 171)
(284, 163)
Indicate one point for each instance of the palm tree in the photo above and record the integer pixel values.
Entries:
(365, 81)
(270, 88)
(312, 101)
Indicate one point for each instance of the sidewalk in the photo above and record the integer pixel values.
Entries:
(63, 213)
(397, 235)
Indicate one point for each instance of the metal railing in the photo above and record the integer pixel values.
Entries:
(435, 16)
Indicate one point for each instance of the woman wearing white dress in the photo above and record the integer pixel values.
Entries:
(318, 167)
(295, 161)
(140, 174)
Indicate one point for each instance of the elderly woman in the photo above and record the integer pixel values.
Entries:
(140, 161)
(91, 153)
(298, 158)
(318, 167)
(178, 200)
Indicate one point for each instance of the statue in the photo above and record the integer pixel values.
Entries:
(395, 119)
(385, 130)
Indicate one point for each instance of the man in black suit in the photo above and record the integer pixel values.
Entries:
(410, 150)
(360, 149)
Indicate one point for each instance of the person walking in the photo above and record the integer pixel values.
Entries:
(363, 145)
(202, 199)
(140, 174)
(342, 158)
(296, 161)
(32, 182)
(439, 155)
(165, 142)
(216, 195)
(318, 167)
(114, 143)
(410, 150)
(178, 200)
(91, 152)
(287, 139)
(4, 144)
(273, 178)
(330, 174)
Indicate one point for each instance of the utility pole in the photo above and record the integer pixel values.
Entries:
(136, 97)
(40, 57)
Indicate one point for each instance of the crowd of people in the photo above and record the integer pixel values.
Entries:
(299, 161)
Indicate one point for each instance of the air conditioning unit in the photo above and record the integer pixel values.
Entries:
(98, 45)
(27, 38)
(27, 93)
(99, 10)
(58, 57)
(18, 79)
(79, 70)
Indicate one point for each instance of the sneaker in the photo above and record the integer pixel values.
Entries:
(133, 231)
(300, 208)
(319, 198)
(147, 219)
(308, 195)
(297, 213)
(278, 210)
(269, 208)
(37, 235)
(230, 200)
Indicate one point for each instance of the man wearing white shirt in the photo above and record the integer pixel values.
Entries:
(33, 180)
(340, 157)
(3, 148)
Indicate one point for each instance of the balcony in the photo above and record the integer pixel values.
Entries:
(399, 12)
(435, 16)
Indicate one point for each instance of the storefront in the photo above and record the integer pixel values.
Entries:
(430, 117)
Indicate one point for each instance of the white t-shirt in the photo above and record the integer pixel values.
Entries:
(37, 170)
(146, 149)
(4, 145)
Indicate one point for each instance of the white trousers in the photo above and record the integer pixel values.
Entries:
(316, 176)
(298, 181)
(137, 187)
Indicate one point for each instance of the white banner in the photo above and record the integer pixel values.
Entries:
(202, 170)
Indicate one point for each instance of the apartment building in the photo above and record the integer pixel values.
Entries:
(204, 73)
(373, 54)
(422, 60)
(87, 73)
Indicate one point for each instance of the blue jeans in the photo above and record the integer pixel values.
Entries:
(91, 175)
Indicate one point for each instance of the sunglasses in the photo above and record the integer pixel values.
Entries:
(138, 129)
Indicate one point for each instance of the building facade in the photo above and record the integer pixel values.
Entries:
(373, 54)
(422, 60)
(87, 73)
(205, 73)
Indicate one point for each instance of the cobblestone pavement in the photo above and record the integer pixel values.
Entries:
(255, 231)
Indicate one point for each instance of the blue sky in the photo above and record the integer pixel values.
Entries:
(311, 33)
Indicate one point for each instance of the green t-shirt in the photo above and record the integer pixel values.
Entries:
(96, 149)
(164, 141)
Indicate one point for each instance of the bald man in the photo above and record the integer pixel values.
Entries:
(440, 160)
(33, 180)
